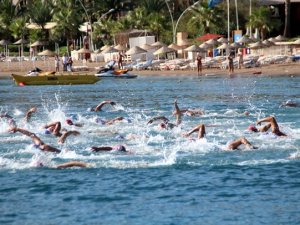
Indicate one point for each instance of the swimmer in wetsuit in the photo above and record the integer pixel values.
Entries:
(119, 148)
(38, 143)
(272, 123)
(99, 107)
(165, 121)
(55, 129)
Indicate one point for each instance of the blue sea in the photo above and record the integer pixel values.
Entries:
(164, 178)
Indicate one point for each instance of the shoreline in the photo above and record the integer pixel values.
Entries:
(283, 69)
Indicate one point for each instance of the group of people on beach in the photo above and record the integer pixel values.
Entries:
(55, 129)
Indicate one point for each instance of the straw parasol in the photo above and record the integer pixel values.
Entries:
(174, 46)
(38, 43)
(135, 50)
(158, 44)
(224, 46)
(194, 48)
(205, 45)
(46, 53)
(20, 42)
(35, 26)
(272, 39)
(223, 40)
(297, 42)
(146, 46)
(257, 45)
(212, 42)
(83, 51)
(104, 47)
(237, 45)
(280, 38)
(120, 47)
(244, 39)
(268, 43)
(110, 50)
(163, 50)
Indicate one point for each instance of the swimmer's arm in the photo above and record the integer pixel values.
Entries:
(50, 125)
(104, 148)
(5, 115)
(177, 113)
(22, 131)
(63, 138)
(158, 118)
(99, 107)
(71, 164)
(29, 113)
(110, 122)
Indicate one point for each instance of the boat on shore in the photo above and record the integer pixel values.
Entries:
(51, 78)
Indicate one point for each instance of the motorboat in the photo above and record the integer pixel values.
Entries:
(39, 77)
(113, 73)
(108, 71)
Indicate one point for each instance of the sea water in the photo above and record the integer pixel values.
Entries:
(164, 178)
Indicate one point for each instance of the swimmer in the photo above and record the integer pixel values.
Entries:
(72, 164)
(29, 114)
(9, 118)
(199, 128)
(272, 123)
(71, 123)
(290, 103)
(165, 121)
(119, 148)
(55, 129)
(110, 122)
(38, 143)
(236, 143)
(99, 107)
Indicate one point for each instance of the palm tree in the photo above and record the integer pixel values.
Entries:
(40, 12)
(67, 20)
(7, 15)
(156, 21)
(207, 18)
(287, 18)
(261, 19)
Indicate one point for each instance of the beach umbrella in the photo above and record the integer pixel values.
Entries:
(205, 45)
(244, 39)
(272, 39)
(21, 42)
(146, 46)
(46, 53)
(224, 46)
(280, 38)
(194, 48)
(223, 40)
(120, 47)
(174, 46)
(163, 50)
(158, 44)
(135, 50)
(110, 50)
(208, 36)
(212, 42)
(237, 45)
(257, 45)
(297, 42)
(268, 43)
(104, 47)
(83, 51)
(38, 43)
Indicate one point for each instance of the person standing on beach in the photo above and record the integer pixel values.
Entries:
(56, 63)
(240, 59)
(199, 63)
(230, 63)
(120, 60)
(65, 62)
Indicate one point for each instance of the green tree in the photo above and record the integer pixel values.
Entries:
(261, 19)
(207, 18)
(7, 15)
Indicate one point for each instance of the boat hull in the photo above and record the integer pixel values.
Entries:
(110, 75)
(55, 79)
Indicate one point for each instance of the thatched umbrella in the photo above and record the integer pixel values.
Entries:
(244, 39)
(194, 48)
(104, 47)
(146, 46)
(174, 46)
(223, 40)
(46, 53)
(280, 38)
(163, 50)
(268, 43)
(158, 44)
(120, 47)
(135, 50)
(257, 45)
(5, 43)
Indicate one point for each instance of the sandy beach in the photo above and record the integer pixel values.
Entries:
(289, 69)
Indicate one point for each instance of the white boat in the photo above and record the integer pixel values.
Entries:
(112, 73)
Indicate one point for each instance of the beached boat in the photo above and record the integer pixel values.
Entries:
(113, 73)
(51, 78)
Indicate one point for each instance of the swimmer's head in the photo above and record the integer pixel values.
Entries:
(128, 120)
(47, 131)
(246, 113)
(100, 121)
(252, 128)
(69, 122)
(119, 137)
(119, 148)
(162, 126)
